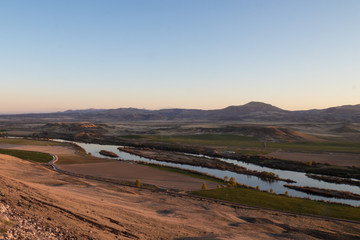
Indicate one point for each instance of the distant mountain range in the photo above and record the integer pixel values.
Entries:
(250, 112)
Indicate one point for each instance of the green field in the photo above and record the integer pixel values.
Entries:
(79, 159)
(257, 198)
(209, 139)
(242, 144)
(278, 202)
(340, 147)
(28, 155)
(22, 141)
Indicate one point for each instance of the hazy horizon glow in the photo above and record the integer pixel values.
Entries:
(206, 54)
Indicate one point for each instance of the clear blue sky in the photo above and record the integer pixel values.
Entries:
(58, 55)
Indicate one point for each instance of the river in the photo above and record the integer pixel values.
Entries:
(277, 186)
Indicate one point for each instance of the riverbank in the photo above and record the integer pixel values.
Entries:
(325, 192)
(334, 179)
(211, 163)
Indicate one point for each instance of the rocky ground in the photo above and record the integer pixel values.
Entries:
(15, 225)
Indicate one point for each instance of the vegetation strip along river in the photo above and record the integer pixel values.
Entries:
(212, 163)
(334, 179)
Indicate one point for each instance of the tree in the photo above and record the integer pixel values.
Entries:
(232, 182)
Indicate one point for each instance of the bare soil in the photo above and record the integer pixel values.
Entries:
(131, 172)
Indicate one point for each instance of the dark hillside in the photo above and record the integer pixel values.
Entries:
(250, 112)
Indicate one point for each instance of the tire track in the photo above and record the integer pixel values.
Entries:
(83, 219)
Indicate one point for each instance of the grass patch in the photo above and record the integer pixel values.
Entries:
(79, 159)
(278, 202)
(209, 139)
(251, 152)
(28, 155)
(185, 172)
(21, 141)
(249, 145)
(341, 147)
(132, 136)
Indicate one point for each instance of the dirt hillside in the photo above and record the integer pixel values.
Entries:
(38, 203)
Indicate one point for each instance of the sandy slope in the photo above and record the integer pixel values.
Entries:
(66, 207)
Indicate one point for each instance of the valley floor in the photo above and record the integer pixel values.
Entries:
(38, 203)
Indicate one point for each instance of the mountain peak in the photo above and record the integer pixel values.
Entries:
(258, 104)
(255, 107)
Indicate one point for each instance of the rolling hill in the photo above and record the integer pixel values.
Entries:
(250, 112)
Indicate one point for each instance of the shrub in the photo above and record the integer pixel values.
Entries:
(232, 182)
(138, 183)
(271, 190)
(258, 188)
(204, 187)
(286, 193)
(226, 178)
(268, 175)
